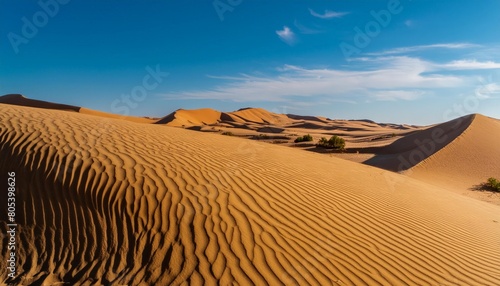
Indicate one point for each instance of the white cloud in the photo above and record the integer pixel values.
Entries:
(286, 35)
(327, 14)
(389, 78)
(487, 90)
(392, 95)
(419, 48)
(471, 65)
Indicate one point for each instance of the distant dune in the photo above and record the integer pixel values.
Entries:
(207, 116)
(183, 117)
(110, 202)
(18, 99)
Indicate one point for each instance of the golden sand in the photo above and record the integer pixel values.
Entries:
(104, 201)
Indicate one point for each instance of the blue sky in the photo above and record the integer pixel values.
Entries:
(417, 62)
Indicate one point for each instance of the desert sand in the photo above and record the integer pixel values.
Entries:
(458, 155)
(18, 99)
(468, 160)
(108, 201)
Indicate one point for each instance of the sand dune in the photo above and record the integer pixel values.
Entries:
(117, 116)
(207, 116)
(251, 122)
(259, 115)
(18, 99)
(458, 155)
(468, 160)
(104, 201)
(415, 147)
(183, 117)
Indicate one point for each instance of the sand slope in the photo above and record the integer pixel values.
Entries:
(468, 160)
(417, 146)
(195, 117)
(113, 202)
(18, 99)
(84, 110)
(207, 116)
(252, 122)
(259, 115)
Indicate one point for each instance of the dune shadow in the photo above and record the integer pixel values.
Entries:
(416, 147)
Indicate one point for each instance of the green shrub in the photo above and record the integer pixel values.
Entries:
(337, 142)
(304, 138)
(307, 138)
(334, 142)
(494, 184)
(323, 142)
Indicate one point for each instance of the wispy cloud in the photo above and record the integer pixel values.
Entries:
(471, 65)
(456, 65)
(488, 90)
(327, 14)
(392, 95)
(409, 23)
(389, 78)
(287, 35)
(405, 50)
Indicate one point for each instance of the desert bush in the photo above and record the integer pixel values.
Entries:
(228, 133)
(337, 142)
(494, 184)
(305, 138)
(323, 142)
(334, 142)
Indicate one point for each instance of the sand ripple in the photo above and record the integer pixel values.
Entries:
(101, 201)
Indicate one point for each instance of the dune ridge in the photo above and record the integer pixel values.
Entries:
(466, 161)
(158, 205)
(208, 116)
(184, 117)
(18, 99)
(419, 145)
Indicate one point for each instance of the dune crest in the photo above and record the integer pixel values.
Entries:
(417, 146)
(469, 160)
(207, 116)
(184, 117)
(166, 206)
(18, 99)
